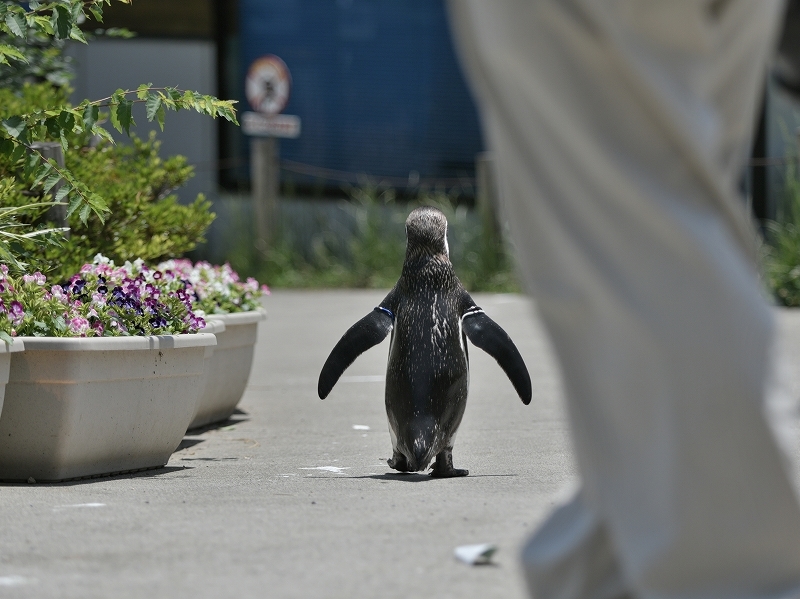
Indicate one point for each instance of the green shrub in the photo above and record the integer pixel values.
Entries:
(371, 255)
(145, 220)
(782, 245)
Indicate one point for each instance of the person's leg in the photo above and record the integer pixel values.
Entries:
(620, 129)
(571, 555)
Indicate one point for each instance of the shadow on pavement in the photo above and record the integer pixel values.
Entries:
(151, 473)
(237, 417)
(416, 477)
(187, 443)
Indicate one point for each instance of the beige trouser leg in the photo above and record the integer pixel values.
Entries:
(620, 129)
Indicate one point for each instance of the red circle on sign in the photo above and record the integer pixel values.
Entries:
(268, 85)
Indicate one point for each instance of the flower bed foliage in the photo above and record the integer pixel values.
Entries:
(105, 300)
(102, 300)
(217, 289)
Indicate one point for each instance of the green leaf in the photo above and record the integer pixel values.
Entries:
(42, 172)
(116, 99)
(44, 24)
(51, 181)
(60, 323)
(11, 52)
(152, 105)
(175, 95)
(97, 203)
(160, 116)
(6, 146)
(124, 116)
(63, 192)
(53, 127)
(16, 23)
(61, 21)
(86, 210)
(77, 12)
(6, 337)
(77, 35)
(142, 90)
(74, 203)
(15, 126)
(97, 13)
(90, 115)
(103, 133)
(20, 152)
(66, 119)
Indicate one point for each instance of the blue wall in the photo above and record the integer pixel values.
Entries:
(375, 82)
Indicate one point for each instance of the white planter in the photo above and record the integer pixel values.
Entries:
(229, 367)
(80, 407)
(5, 362)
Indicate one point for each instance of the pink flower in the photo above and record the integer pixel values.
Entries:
(36, 277)
(99, 299)
(79, 326)
(58, 292)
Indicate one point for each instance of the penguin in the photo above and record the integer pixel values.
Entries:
(430, 317)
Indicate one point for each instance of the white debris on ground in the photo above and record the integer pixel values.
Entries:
(475, 555)
(360, 427)
(334, 469)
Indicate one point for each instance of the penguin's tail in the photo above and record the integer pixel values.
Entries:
(422, 435)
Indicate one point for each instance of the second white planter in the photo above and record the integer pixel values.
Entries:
(228, 369)
(6, 350)
(79, 407)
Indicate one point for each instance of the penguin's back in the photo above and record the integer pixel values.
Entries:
(428, 371)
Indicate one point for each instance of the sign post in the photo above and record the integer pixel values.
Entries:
(267, 88)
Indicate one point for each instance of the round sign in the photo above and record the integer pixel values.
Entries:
(267, 85)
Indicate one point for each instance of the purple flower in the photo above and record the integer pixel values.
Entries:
(16, 312)
(158, 322)
(77, 286)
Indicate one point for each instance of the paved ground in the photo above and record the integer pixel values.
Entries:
(258, 508)
(289, 500)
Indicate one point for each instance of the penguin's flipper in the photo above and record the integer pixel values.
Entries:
(367, 332)
(491, 338)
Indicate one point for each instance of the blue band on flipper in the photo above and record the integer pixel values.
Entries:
(387, 310)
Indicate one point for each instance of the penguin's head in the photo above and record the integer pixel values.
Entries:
(426, 230)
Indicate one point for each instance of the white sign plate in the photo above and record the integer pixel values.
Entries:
(261, 125)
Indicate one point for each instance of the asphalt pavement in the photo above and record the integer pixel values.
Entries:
(292, 497)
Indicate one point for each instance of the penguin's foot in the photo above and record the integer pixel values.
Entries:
(398, 462)
(443, 467)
